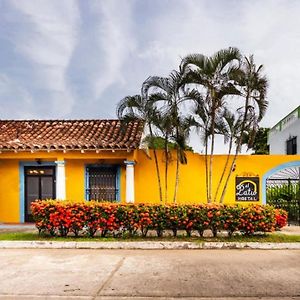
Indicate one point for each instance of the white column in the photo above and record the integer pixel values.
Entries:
(60, 180)
(129, 181)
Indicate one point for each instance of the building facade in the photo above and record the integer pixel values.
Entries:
(82, 160)
(284, 137)
(59, 159)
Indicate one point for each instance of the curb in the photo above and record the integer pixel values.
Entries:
(145, 245)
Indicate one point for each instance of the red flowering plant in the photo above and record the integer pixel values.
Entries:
(130, 219)
(92, 217)
(41, 211)
(106, 218)
(214, 216)
(257, 218)
(62, 217)
(145, 213)
(77, 213)
(174, 217)
(230, 218)
(120, 220)
(158, 219)
(101, 216)
(281, 217)
(187, 219)
(198, 219)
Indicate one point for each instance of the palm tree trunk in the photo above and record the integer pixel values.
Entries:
(156, 166)
(166, 168)
(224, 170)
(237, 148)
(211, 154)
(177, 178)
(206, 166)
(229, 175)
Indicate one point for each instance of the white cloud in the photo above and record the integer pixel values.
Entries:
(115, 41)
(272, 32)
(79, 58)
(46, 40)
(15, 99)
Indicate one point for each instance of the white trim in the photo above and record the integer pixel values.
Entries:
(129, 181)
(60, 180)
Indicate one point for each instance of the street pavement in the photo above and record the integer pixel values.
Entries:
(149, 274)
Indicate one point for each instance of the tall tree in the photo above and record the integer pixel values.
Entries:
(164, 123)
(136, 107)
(253, 88)
(201, 115)
(229, 126)
(168, 96)
(180, 140)
(214, 76)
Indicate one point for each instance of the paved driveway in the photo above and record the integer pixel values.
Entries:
(124, 274)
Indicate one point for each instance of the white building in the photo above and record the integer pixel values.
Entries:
(284, 137)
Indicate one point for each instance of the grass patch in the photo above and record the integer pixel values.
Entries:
(263, 238)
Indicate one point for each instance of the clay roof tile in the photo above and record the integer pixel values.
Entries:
(71, 134)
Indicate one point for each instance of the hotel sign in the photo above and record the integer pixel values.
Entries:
(247, 189)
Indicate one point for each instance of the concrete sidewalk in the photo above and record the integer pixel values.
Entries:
(290, 230)
(135, 274)
(9, 228)
(146, 245)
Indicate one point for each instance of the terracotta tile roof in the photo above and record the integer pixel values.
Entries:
(69, 134)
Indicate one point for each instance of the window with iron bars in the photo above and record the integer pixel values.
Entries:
(102, 183)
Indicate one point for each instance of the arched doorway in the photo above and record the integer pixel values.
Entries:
(281, 188)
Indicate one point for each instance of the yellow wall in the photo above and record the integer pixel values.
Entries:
(191, 183)
(9, 191)
(75, 163)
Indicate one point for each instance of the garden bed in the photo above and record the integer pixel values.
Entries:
(90, 219)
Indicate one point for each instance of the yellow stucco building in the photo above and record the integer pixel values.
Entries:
(80, 160)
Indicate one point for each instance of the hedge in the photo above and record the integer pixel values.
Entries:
(63, 217)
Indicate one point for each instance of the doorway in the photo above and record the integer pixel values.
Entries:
(39, 184)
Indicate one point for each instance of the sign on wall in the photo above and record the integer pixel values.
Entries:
(247, 189)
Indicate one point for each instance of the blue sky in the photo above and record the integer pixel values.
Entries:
(77, 59)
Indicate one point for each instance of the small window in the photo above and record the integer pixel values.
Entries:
(291, 145)
(102, 183)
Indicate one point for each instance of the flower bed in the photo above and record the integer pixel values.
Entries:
(63, 217)
(281, 217)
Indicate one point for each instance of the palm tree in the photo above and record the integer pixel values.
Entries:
(229, 126)
(253, 88)
(180, 139)
(201, 120)
(168, 96)
(164, 123)
(214, 75)
(137, 107)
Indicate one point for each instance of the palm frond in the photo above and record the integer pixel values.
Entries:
(129, 104)
(156, 83)
(224, 58)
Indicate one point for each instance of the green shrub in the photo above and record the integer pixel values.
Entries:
(62, 217)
